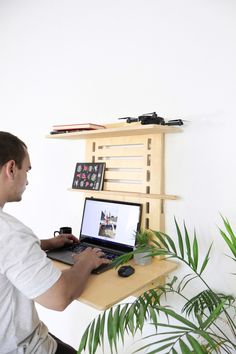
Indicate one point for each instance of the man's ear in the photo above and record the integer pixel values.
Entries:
(10, 168)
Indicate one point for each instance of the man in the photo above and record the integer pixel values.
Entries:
(26, 274)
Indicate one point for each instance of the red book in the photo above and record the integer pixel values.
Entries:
(82, 126)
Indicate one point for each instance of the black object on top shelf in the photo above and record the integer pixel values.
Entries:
(152, 118)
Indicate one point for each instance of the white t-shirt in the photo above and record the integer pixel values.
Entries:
(25, 273)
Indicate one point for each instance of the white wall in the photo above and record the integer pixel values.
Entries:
(71, 61)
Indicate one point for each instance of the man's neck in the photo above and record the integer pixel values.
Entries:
(2, 200)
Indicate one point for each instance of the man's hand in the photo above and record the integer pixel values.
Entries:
(91, 258)
(58, 241)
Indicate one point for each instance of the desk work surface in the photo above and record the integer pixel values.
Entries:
(106, 289)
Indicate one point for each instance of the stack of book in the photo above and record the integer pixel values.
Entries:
(69, 128)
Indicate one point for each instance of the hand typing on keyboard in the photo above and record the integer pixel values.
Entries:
(91, 257)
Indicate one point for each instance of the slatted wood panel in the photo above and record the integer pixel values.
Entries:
(133, 164)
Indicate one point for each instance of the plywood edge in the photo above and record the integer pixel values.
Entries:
(123, 130)
(131, 194)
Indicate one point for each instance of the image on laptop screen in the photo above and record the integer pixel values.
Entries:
(110, 221)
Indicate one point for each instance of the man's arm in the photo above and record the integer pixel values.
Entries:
(58, 241)
(72, 281)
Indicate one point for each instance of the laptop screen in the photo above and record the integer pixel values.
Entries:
(110, 221)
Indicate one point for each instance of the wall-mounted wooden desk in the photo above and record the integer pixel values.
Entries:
(106, 289)
(134, 157)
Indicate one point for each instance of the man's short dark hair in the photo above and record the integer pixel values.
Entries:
(11, 148)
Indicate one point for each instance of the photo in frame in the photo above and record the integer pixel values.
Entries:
(89, 175)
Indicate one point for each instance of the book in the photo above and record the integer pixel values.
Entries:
(89, 175)
(71, 127)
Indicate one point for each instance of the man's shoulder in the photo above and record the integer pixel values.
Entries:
(9, 222)
(8, 218)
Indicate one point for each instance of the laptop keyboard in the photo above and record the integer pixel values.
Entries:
(78, 248)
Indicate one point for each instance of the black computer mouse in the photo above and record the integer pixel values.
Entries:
(126, 271)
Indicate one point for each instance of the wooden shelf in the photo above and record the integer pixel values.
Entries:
(131, 194)
(124, 130)
(106, 289)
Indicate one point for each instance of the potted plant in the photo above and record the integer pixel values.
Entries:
(142, 250)
(196, 329)
(142, 253)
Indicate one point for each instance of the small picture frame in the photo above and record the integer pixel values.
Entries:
(89, 175)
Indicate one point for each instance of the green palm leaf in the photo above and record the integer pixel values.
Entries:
(195, 251)
(171, 337)
(180, 239)
(231, 244)
(169, 240)
(185, 278)
(214, 314)
(162, 240)
(184, 348)
(187, 281)
(178, 317)
(124, 258)
(229, 230)
(110, 331)
(174, 351)
(102, 327)
(210, 341)
(231, 239)
(141, 315)
(83, 341)
(158, 350)
(91, 337)
(131, 319)
(116, 325)
(188, 247)
(205, 300)
(206, 260)
(123, 321)
(198, 349)
(96, 339)
(158, 343)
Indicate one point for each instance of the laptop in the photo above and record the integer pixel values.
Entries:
(106, 224)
